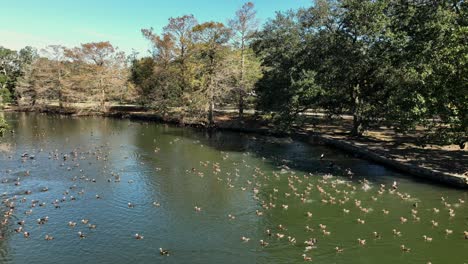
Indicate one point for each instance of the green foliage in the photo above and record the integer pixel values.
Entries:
(141, 73)
(403, 64)
(278, 46)
(12, 65)
(5, 96)
(3, 126)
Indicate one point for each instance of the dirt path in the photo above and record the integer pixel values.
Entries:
(449, 159)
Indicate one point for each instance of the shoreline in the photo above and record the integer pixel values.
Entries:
(349, 146)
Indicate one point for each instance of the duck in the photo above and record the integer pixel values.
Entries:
(26, 234)
(130, 205)
(81, 235)
(157, 204)
(448, 231)
(263, 243)
(292, 240)
(311, 242)
(138, 236)
(377, 235)
(43, 220)
(338, 250)
(361, 242)
(72, 224)
(396, 233)
(48, 237)
(306, 258)
(84, 221)
(163, 252)
(427, 239)
(466, 234)
(245, 239)
(281, 227)
(197, 209)
(405, 249)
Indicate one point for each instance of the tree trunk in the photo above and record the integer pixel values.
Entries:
(241, 105)
(358, 124)
(210, 113)
(60, 99)
(103, 94)
(241, 80)
(1, 97)
(60, 96)
(103, 101)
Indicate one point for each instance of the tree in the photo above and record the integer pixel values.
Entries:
(159, 81)
(9, 69)
(180, 28)
(36, 84)
(57, 70)
(163, 47)
(12, 67)
(432, 62)
(278, 46)
(141, 72)
(184, 67)
(243, 26)
(360, 59)
(327, 56)
(100, 67)
(210, 39)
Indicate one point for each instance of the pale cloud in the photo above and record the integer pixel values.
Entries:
(17, 40)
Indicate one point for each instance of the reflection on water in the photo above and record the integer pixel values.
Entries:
(165, 172)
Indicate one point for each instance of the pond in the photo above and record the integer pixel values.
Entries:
(210, 198)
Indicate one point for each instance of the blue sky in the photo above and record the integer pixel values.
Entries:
(70, 22)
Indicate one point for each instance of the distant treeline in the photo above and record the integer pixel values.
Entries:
(385, 62)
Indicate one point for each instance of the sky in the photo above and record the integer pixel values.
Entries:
(39, 23)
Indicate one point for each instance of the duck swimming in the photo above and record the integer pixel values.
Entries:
(163, 252)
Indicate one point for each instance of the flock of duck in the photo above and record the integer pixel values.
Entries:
(331, 190)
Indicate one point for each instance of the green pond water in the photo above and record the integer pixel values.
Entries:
(223, 173)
